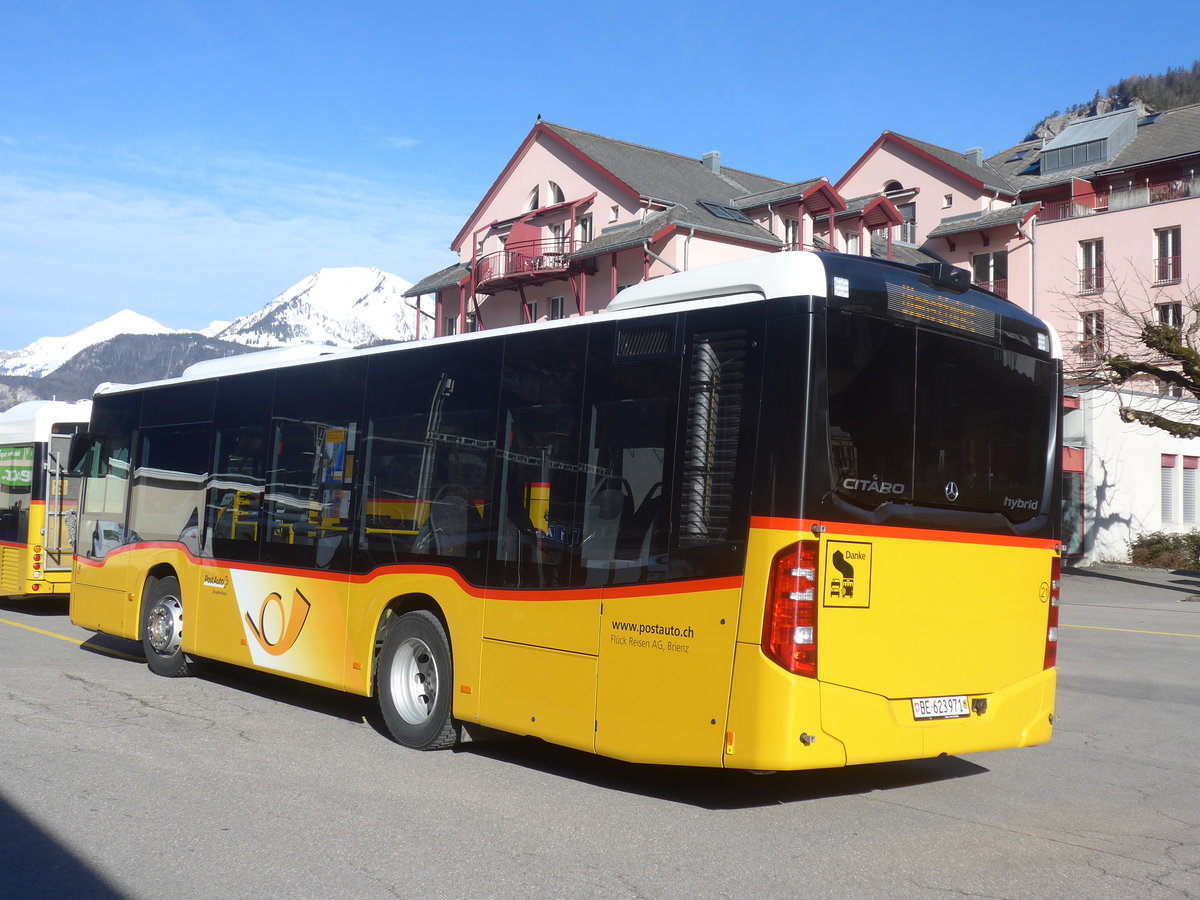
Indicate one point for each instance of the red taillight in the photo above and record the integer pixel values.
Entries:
(790, 624)
(1052, 624)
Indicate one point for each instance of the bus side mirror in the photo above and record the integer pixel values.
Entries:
(88, 457)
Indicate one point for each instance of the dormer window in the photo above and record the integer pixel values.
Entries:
(1093, 140)
(725, 212)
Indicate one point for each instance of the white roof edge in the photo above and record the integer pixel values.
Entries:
(33, 419)
(792, 274)
(257, 359)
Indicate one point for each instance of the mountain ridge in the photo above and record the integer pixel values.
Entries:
(343, 307)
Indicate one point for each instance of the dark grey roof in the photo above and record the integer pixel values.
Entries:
(1175, 133)
(677, 180)
(985, 173)
(904, 253)
(447, 277)
(778, 194)
(662, 175)
(1010, 215)
(682, 216)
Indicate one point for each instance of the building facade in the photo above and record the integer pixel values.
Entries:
(1069, 227)
(575, 217)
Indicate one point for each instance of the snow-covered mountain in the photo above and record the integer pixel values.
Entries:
(46, 354)
(347, 307)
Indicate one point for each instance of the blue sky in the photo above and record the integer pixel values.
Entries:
(190, 159)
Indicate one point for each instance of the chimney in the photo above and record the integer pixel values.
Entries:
(712, 161)
(975, 155)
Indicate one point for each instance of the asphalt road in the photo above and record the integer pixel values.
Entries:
(116, 783)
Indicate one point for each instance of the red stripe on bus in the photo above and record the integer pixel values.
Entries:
(657, 588)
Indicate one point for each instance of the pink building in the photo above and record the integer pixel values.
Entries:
(1057, 226)
(574, 217)
(1064, 227)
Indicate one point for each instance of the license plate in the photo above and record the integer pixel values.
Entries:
(940, 707)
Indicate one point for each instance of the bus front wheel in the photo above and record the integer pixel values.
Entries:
(414, 678)
(162, 629)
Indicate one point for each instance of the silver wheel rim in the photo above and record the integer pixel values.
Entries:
(164, 626)
(414, 681)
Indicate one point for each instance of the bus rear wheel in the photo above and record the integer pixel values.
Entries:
(162, 629)
(413, 682)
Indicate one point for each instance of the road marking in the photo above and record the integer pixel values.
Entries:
(70, 640)
(1133, 631)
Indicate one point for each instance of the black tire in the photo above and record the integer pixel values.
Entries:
(413, 682)
(162, 629)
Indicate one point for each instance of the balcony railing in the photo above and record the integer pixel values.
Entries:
(525, 261)
(1167, 270)
(905, 232)
(1121, 198)
(999, 286)
(1091, 280)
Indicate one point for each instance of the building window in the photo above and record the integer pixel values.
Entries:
(1092, 344)
(991, 271)
(450, 325)
(1168, 487)
(556, 193)
(556, 308)
(853, 244)
(533, 202)
(472, 323)
(1169, 314)
(1189, 488)
(531, 310)
(906, 231)
(1167, 255)
(613, 212)
(1091, 267)
(947, 201)
(791, 234)
(584, 229)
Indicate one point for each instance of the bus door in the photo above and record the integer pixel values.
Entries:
(62, 505)
(671, 441)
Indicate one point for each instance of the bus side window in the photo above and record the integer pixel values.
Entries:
(721, 399)
(102, 522)
(540, 467)
(168, 485)
(234, 512)
(311, 479)
(429, 455)
(630, 414)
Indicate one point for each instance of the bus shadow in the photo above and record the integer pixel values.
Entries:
(720, 789)
(37, 865)
(43, 607)
(312, 697)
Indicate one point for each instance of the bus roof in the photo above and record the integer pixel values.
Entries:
(798, 274)
(793, 274)
(34, 420)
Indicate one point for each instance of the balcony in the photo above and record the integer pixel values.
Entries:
(1167, 270)
(1091, 280)
(999, 286)
(530, 262)
(1121, 198)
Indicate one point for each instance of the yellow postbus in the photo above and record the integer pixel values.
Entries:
(38, 500)
(793, 512)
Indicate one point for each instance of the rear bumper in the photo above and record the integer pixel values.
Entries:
(779, 721)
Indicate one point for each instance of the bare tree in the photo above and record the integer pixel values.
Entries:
(1146, 341)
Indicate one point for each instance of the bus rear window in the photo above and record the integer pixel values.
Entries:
(937, 420)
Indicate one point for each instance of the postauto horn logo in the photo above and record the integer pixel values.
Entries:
(279, 622)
